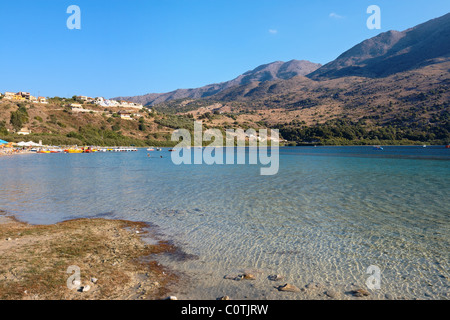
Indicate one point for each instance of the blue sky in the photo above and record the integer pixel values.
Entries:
(142, 46)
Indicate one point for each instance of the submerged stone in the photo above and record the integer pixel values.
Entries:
(331, 293)
(288, 288)
(248, 276)
(361, 293)
(275, 277)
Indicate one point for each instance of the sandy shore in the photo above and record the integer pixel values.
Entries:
(12, 153)
(112, 256)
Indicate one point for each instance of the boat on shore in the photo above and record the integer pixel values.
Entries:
(48, 150)
(73, 150)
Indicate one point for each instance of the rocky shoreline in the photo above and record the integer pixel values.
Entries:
(119, 259)
(42, 262)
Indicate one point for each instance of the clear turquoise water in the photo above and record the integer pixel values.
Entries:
(328, 214)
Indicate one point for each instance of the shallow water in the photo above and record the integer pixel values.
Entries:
(329, 214)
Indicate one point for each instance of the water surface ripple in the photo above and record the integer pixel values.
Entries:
(328, 214)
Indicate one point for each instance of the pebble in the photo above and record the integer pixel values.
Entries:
(275, 277)
(361, 293)
(171, 298)
(86, 288)
(313, 285)
(288, 288)
(224, 298)
(230, 276)
(8, 239)
(331, 293)
(240, 277)
(248, 276)
(389, 296)
(94, 280)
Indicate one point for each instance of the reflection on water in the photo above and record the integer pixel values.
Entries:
(328, 214)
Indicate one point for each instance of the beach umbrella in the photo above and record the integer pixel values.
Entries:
(3, 141)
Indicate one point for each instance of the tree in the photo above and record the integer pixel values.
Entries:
(19, 117)
(3, 129)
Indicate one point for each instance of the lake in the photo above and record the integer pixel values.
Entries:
(325, 217)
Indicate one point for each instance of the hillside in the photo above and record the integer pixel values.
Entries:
(57, 124)
(391, 89)
(412, 105)
(272, 71)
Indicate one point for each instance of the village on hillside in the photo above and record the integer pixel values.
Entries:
(23, 96)
(78, 104)
(84, 102)
(100, 101)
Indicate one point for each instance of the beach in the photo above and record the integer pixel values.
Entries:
(10, 152)
(36, 261)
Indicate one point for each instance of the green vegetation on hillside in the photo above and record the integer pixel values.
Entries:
(19, 117)
(3, 129)
(176, 122)
(181, 105)
(346, 132)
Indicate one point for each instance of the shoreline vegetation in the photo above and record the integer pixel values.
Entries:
(56, 124)
(114, 260)
(57, 140)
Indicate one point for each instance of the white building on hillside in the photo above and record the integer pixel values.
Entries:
(24, 132)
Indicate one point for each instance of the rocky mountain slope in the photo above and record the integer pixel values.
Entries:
(278, 70)
(392, 52)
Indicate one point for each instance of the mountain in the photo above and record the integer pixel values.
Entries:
(394, 87)
(391, 89)
(392, 52)
(386, 54)
(277, 70)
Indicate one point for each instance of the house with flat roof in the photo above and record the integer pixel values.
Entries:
(24, 132)
(24, 94)
(9, 95)
(42, 100)
(125, 115)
